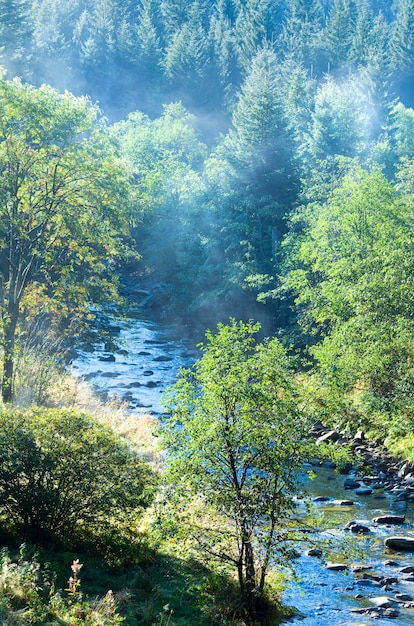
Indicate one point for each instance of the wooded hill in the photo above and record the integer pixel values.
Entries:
(268, 147)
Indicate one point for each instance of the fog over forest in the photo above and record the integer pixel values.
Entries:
(239, 170)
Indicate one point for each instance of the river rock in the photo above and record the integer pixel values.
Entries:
(317, 427)
(336, 567)
(363, 491)
(400, 504)
(321, 499)
(409, 479)
(107, 359)
(162, 358)
(351, 483)
(400, 543)
(408, 569)
(314, 552)
(382, 602)
(355, 527)
(331, 435)
(404, 597)
(360, 568)
(389, 519)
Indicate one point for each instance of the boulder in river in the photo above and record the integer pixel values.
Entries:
(363, 491)
(314, 552)
(331, 435)
(356, 527)
(400, 543)
(382, 602)
(336, 567)
(389, 519)
(351, 483)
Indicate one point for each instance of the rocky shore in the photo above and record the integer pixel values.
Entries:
(384, 588)
(385, 472)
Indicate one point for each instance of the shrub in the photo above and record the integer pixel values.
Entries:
(63, 473)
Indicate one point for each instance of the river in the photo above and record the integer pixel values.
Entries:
(146, 360)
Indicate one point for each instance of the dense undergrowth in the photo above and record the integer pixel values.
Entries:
(67, 500)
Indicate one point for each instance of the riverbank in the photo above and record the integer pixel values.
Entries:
(356, 566)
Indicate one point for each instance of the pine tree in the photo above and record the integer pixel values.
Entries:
(301, 36)
(15, 36)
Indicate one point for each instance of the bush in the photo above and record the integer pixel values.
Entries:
(63, 473)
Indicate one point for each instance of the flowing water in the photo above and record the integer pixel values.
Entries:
(146, 361)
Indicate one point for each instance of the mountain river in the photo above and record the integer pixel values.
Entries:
(375, 587)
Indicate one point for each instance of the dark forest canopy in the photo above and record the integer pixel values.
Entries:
(139, 55)
(244, 126)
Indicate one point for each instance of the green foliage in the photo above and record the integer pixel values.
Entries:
(63, 207)
(235, 437)
(64, 475)
(351, 270)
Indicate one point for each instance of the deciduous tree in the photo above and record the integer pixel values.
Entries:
(234, 438)
(63, 199)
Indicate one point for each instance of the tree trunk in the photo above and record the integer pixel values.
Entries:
(9, 341)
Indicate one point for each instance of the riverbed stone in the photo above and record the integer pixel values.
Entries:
(409, 479)
(389, 519)
(107, 359)
(356, 527)
(404, 597)
(360, 568)
(351, 483)
(314, 552)
(336, 567)
(401, 505)
(321, 499)
(400, 543)
(363, 491)
(408, 569)
(331, 435)
(382, 602)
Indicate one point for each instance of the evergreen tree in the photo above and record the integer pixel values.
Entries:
(339, 32)
(302, 30)
(15, 36)
(402, 49)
